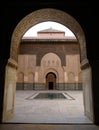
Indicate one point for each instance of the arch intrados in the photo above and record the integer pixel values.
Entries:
(42, 15)
(51, 73)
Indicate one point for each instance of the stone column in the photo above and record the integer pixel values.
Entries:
(36, 77)
(76, 81)
(10, 88)
(87, 89)
(65, 77)
(36, 80)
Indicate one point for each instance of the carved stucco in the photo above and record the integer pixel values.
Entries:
(47, 14)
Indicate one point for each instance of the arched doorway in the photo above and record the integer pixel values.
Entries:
(11, 67)
(50, 81)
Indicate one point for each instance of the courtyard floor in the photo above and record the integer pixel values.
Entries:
(30, 110)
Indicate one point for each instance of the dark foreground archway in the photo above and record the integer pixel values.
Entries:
(34, 18)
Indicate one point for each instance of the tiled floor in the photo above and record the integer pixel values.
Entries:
(70, 110)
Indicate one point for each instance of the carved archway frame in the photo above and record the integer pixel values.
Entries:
(42, 15)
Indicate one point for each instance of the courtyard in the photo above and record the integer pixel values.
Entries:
(29, 109)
